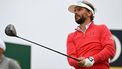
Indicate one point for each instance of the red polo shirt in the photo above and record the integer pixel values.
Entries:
(96, 42)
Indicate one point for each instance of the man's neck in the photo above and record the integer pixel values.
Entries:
(83, 26)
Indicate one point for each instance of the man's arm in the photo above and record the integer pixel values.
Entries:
(71, 50)
(107, 42)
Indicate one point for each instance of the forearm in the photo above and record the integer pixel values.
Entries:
(105, 54)
(107, 44)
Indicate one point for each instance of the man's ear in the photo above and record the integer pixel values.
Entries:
(89, 13)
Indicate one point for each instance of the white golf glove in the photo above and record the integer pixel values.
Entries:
(89, 62)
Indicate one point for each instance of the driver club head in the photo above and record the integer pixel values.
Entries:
(10, 30)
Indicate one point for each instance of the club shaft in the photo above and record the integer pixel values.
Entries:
(48, 48)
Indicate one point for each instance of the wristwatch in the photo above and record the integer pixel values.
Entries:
(91, 59)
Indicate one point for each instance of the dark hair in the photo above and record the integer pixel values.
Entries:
(91, 6)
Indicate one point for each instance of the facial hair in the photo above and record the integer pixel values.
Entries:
(81, 20)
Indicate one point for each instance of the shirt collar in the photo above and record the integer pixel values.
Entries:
(87, 26)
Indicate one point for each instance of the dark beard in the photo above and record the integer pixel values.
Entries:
(81, 20)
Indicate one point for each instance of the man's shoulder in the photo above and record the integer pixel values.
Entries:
(8, 60)
(13, 64)
(11, 60)
(72, 33)
(101, 25)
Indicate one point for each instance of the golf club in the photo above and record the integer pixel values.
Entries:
(11, 31)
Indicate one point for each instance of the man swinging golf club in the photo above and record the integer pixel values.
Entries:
(92, 44)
